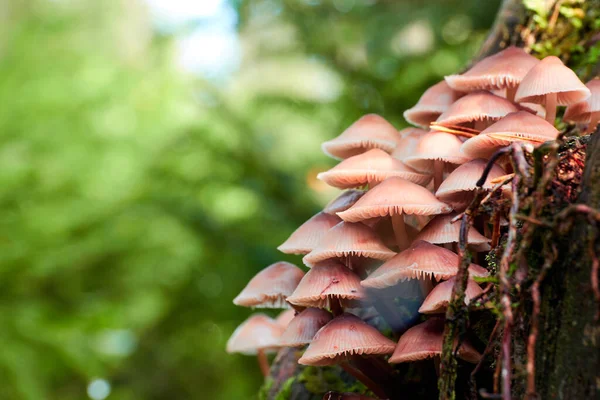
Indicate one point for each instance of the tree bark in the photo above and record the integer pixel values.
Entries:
(569, 342)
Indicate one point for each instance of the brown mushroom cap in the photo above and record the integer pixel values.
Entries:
(344, 201)
(441, 230)
(515, 127)
(368, 168)
(437, 301)
(458, 188)
(551, 76)
(304, 326)
(258, 332)
(343, 337)
(270, 287)
(394, 196)
(505, 69)
(477, 106)
(369, 132)
(421, 260)
(425, 341)
(304, 239)
(432, 103)
(285, 317)
(326, 281)
(434, 146)
(409, 139)
(583, 110)
(349, 240)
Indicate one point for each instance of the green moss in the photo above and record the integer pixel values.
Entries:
(286, 390)
(263, 393)
(319, 380)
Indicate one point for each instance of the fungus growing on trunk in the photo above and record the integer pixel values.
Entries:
(304, 326)
(285, 317)
(349, 242)
(458, 189)
(257, 335)
(588, 110)
(370, 168)
(516, 127)
(431, 105)
(421, 261)
(553, 84)
(425, 341)
(437, 301)
(434, 151)
(503, 70)
(441, 231)
(343, 202)
(304, 239)
(476, 110)
(409, 139)
(369, 132)
(270, 287)
(352, 343)
(329, 284)
(393, 198)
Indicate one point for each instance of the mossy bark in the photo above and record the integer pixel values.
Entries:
(568, 361)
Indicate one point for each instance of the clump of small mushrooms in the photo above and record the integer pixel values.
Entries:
(391, 234)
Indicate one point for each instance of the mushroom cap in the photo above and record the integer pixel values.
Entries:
(421, 260)
(408, 143)
(285, 317)
(505, 69)
(458, 188)
(348, 239)
(303, 327)
(432, 103)
(370, 167)
(343, 337)
(438, 299)
(328, 280)
(441, 230)
(582, 111)
(434, 146)
(551, 76)
(258, 332)
(270, 287)
(344, 201)
(304, 239)
(369, 132)
(394, 196)
(520, 126)
(477, 106)
(425, 341)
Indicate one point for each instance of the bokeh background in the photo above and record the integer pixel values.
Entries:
(155, 152)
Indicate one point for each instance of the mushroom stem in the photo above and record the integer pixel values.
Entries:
(263, 363)
(436, 364)
(551, 107)
(479, 125)
(595, 118)
(380, 373)
(438, 174)
(362, 377)
(510, 93)
(400, 231)
(426, 286)
(336, 306)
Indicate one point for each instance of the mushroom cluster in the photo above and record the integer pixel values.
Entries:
(390, 235)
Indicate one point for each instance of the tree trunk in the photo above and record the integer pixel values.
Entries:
(569, 342)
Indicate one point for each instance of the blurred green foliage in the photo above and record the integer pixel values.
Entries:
(137, 199)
